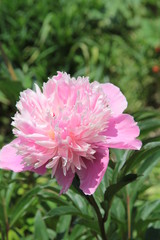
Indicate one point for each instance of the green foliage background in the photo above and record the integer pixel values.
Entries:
(106, 40)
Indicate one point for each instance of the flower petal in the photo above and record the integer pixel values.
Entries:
(117, 100)
(9, 159)
(41, 170)
(122, 132)
(64, 181)
(91, 176)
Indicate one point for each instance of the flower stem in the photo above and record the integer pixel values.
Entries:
(92, 201)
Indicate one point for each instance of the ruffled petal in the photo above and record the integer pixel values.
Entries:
(91, 176)
(64, 181)
(122, 132)
(117, 101)
(9, 160)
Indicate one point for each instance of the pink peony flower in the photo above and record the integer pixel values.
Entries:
(69, 128)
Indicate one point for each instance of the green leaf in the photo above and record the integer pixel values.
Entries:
(90, 223)
(144, 169)
(10, 189)
(40, 230)
(3, 99)
(63, 225)
(114, 188)
(11, 89)
(118, 210)
(71, 210)
(147, 165)
(120, 159)
(145, 211)
(78, 201)
(138, 157)
(152, 233)
(152, 145)
(51, 233)
(146, 114)
(22, 205)
(149, 125)
(3, 220)
(63, 210)
(77, 231)
(51, 196)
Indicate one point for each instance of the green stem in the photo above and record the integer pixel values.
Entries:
(92, 201)
(107, 212)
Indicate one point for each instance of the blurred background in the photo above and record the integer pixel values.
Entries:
(109, 41)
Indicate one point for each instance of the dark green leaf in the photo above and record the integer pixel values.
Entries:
(152, 234)
(11, 89)
(149, 125)
(114, 188)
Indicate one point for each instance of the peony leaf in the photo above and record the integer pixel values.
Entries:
(138, 157)
(23, 204)
(114, 188)
(40, 230)
(63, 210)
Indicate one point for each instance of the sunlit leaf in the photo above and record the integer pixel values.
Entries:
(40, 230)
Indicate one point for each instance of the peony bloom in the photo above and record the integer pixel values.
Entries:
(68, 127)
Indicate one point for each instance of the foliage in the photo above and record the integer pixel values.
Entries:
(109, 41)
(105, 40)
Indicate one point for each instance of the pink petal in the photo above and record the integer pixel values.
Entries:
(64, 181)
(41, 170)
(117, 101)
(91, 176)
(9, 159)
(122, 132)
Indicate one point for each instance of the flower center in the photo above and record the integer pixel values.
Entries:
(51, 134)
